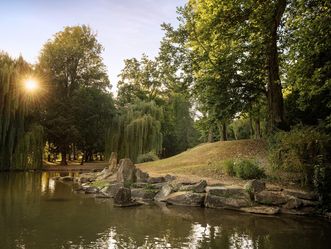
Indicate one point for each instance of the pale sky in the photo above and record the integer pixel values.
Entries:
(125, 28)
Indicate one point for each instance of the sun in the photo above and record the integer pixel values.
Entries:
(31, 85)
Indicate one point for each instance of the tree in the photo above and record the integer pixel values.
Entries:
(70, 60)
(21, 139)
(136, 131)
(93, 111)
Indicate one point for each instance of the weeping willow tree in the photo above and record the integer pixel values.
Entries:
(20, 143)
(135, 131)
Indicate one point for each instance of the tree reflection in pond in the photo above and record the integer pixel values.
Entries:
(37, 212)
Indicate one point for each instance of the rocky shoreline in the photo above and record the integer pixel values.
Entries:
(129, 186)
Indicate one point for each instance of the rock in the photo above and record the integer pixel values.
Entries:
(169, 178)
(157, 185)
(301, 194)
(271, 197)
(293, 203)
(186, 199)
(227, 192)
(56, 178)
(261, 210)
(91, 190)
(113, 165)
(84, 180)
(112, 189)
(66, 179)
(126, 171)
(159, 179)
(139, 185)
(143, 194)
(197, 188)
(254, 186)
(166, 190)
(234, 202)
(141, 176)
(122, 198)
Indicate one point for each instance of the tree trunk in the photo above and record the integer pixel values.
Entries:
(251, 126)
(74, 151)
(83, 157)
(224, 132)
(64, 158)
(210, 135)
(257, 129)
(275, 95)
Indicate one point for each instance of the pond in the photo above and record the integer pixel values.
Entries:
(37, 212)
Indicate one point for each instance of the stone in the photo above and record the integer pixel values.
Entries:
(153, 180)
(112, 189)
(91, 190)
(166, 190)
(122, 198)
(301, 211)
(169, 178)
(157, 185)
(301, 194)
(261, 210)
(143, 194)
(271, 197)
(105, 173)
(186, 199)
(113, 165)
(141, 176)
(126, 171)
(293, 203)
(66, 179)
(139, 185)
(197, 188)
(234, 202)
(227, 192)
(254, 186)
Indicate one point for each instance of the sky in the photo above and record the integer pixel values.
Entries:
(125, 28)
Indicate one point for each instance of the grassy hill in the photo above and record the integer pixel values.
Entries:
(206, 160)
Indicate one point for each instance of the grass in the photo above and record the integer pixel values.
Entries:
(207, 159)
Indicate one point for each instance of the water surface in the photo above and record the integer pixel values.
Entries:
(37, 212)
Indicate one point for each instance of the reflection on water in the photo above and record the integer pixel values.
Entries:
(37, 212)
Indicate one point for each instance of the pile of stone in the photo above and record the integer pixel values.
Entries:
(129, 186)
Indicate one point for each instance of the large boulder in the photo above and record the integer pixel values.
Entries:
(143, 194)
(271, 197)
(122, 198)
(113, 165)
(186, 199)
(158, 179)
(91, 190)
(126, 172)
(166, 190)
(301, 194)
(226, 197)
(141, 176)
(112, 189)
(254, 186)
(214, 201)
(197, 188)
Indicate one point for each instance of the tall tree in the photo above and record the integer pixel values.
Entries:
(70, 60)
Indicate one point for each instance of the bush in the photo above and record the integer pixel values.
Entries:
(247, 169)
(298, 151)
(228, 167)
(244, 169)
(148, 157)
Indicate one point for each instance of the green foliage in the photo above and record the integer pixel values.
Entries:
(248, 169)
(70, 61)
(147, 157)
(21, 140)
(296, 152)
(244, 169)
(136, 131)
(228, 166)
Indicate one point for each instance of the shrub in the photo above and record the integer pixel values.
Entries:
(298, 151)
(248, 169)
(244, 169)
(148, 157)
(228, 166)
